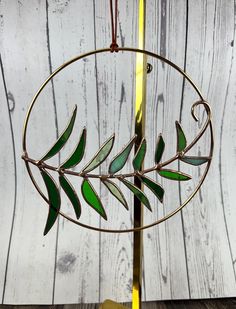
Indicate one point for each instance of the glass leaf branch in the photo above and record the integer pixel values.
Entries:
(88, 191)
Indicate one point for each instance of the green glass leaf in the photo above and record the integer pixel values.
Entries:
(62, 139)
(71, 194)
(195, 160)
(139, 156)
(137, 192)
(174, 175)
(119, 160)
(77, 154)
(159, 149)
(154, 187)
(101, 155)
(181, 139)
(92, 198)
(115, 190)
(54, 200)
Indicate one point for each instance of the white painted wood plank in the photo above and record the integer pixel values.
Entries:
(77, 265)
(7, 179)
(25, 62)
(209, 62)
(164, 250)
(116, 95)
(227, 144)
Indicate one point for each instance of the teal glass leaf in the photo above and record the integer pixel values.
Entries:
(159, 149)
(92, 198)
(101, 155)
(77, 154)
(174, 175)
(71, 194)
(54, 200)
(195, 160)
(120, 159)
(139, 156)
(154, 187)
(61, 141)
(181, 139)
(115, 190)
(137, 192)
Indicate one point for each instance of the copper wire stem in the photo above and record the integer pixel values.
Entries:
(157, 167)
(104, 176)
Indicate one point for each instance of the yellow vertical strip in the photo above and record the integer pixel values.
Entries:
(140, 106)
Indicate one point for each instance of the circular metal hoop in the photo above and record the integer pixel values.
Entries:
(134, 50)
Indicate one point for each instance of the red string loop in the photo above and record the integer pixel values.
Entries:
(114, 46)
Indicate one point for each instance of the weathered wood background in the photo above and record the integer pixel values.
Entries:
(224, 303)
(193, 254)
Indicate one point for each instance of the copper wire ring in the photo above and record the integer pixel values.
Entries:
(135, 50)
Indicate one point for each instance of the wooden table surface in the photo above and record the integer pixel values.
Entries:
(227, 303)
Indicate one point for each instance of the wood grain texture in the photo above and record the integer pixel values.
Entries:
(226, 140)
(27, 56)
(8, 178)
(190, 256)
(164, 261)
(77, 261)
(229, 303)
(210, 264)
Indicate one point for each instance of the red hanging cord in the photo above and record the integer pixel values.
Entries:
(114, 46)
